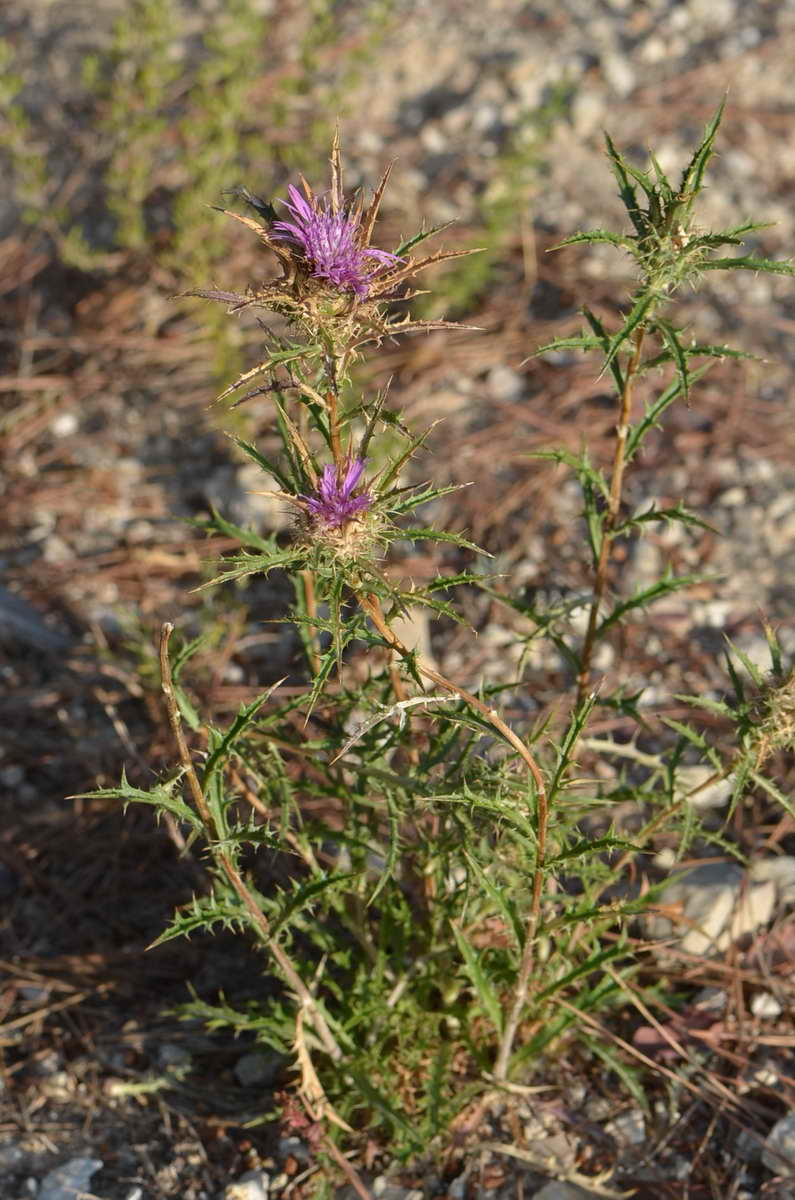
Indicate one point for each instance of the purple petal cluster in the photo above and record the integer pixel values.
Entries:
(334, 503)
(328, 241)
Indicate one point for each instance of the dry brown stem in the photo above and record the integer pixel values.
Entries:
(258, 918)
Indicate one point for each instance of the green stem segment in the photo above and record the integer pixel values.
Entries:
(611, 517)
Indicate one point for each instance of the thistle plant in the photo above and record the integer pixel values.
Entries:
(440, 905)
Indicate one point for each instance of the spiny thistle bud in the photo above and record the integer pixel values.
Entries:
(775, 728)
(331, 242)
(334, 504)
(342, 521)
(335, 288)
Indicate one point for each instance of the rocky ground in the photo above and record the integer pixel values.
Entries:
(108, 445)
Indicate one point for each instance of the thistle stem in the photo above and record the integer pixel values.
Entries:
(258, 918)
(310, 603)
(372, 606)
(611, 517)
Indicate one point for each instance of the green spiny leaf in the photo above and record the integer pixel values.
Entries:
(749, 262)
(483, 986)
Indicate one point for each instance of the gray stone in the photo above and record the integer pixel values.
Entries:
(258, 1068)
(718, 906)
(254, 1185)
(558, 1190)
(384, 1189)
(715, 795)
(778, 871)
(67, 1182)
(628, 1128)
(778, 1153)
(170, 1056)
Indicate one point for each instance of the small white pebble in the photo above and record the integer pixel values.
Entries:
(765, 1005)
(64, 425)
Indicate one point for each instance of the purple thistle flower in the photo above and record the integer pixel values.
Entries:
(330, 243)
(334, 504)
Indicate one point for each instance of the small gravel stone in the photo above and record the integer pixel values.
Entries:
(780, 872)
(258, 1068)
(778, 1154)
(556, 1190)
(169, 1055)
(765, 1006)
(254, 1185)
(714, 796)
(64, 425)
(628, 1128)
(67, 1182)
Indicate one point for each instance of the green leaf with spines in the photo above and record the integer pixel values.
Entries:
(246, 537)
(205, 913)
(643, 597)
(500, 898)
(393, 853)
(637, 316)
(753, 670)
(748, 262)
(438, 535)
(664, 187)
(693, 174)
(568, 745)
(591, 964)
(579, 463)
(484, 989)
(271, 468)
(707, 703)
(598, 235)
(576, 342)
(676, 513)
(382, 482)
(162, 796)
(655, 410)
(588, 847)
(225, 744)
(422, 236)
(630, 1076)
(625, 189)
(670, 337)
(302, 896)
(774, 646)
(414, 497)
(697, 350)
(604, 340)
(253, 564)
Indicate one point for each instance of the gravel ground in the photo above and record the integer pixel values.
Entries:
(99, 473)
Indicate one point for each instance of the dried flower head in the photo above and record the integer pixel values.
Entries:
(334, 503)
(330, 239)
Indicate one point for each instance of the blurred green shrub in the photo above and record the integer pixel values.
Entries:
(178, 111)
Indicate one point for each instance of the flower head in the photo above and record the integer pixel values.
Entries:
(334, 504)
(330, 240)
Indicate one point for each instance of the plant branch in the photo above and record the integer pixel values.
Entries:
(372, 607)
(258, 918)
(611, 517)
